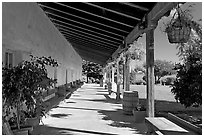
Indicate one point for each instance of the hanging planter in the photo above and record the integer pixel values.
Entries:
(178, 29)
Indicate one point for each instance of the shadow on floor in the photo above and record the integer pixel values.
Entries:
(60, 115)
(119, 119)
(107, 99)
(47, 130)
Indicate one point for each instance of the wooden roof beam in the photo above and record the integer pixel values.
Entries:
(113, 11)
(73, 35)
(154, 15)
(67, 32)
(71, 38)
(86, 48)
(135, 6)
(88, 26)
(96, 15)
(85, 30)
(82, 18)
(91, 54)
(81, 32)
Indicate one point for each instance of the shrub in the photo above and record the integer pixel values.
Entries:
(168, 80)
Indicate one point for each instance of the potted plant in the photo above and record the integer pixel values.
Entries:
(35, 112)
(139, 113)
(23, 86)
(178, 29)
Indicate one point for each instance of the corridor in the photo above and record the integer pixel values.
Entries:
(89, 110)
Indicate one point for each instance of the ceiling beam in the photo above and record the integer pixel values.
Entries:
(83, 18)
(67, 32)
(85, 30)
(82, 32)
(92, 55)
(99, 47)
(113, 11)
(73, 35)
(160, 9)
(135, 6)
(96, 15)
(85, 48)
(87, 26)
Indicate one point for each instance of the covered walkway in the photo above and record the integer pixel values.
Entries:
(89, 110)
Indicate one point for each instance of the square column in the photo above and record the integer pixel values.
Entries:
(127, 73)
(150, 72)
(118, 81)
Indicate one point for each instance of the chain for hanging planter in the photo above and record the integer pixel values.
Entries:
(179, 29)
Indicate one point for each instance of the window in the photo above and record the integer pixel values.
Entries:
(8, 59)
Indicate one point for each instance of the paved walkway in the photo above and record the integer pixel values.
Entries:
(89, 111)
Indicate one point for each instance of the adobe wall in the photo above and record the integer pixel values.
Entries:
(27, 30)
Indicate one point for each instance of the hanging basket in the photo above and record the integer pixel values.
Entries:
(178, 32)
(179, 28)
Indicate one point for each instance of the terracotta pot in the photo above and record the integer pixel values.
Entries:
(139, 116)
(32, 121)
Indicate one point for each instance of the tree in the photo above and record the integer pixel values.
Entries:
(91, 69)
(188, 85)
(162, 68)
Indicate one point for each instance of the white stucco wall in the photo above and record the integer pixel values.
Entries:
(27, 30)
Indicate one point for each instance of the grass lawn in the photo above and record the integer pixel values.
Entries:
(165, 102)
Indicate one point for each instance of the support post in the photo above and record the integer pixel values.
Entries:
(104, 77)
(123, 76)
(127, 73)
(150, 72)
(109, 81)
(112, 81)
(118, 81)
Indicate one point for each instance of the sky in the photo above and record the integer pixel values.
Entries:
(163, 49)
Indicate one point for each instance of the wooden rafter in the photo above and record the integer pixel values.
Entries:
(66, 13)
(113, 11)
(63, 26)
(96, 15)
(153, 16)
(76, 36)
(68, 32)
(86, 48)
(90, 45)
(87, 26)
(88, 34)
(135, 6)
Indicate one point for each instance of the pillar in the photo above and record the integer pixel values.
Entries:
(150, 71)
(104, 76)
(118, 81)
(123, 76)
(127, 73)
(113, 83)
(112, 76)
(109, 80)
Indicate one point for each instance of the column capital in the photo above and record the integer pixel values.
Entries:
(152, 24)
